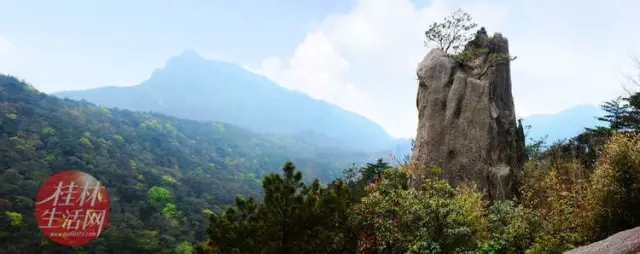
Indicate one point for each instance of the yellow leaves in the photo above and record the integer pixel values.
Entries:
(614, 187)
(621, 144)
(556, 195)
(472, 209)
(573, 204)
(621, 152)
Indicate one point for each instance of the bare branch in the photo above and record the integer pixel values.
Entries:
(634, 81)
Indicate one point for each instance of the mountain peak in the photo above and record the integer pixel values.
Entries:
(188, 56)
(205, 90)
(188, 63)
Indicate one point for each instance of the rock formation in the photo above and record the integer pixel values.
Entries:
(624, 242)
(467, 124)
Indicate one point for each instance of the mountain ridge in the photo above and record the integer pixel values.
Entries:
(556, 127)
(201, 166)
(191, 87)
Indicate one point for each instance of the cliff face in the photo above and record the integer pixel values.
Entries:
(467, 124)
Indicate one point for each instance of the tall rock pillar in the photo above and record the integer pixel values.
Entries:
(467, 123)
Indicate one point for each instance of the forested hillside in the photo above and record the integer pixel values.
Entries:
(164, 175)
(192, 87)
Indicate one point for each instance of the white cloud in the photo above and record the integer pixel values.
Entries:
(365, 60)
(318, 70)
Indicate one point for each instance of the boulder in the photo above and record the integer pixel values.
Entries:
(625, 242)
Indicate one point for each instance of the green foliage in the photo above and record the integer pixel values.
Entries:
(169, 179)
(48, 131)
(573, 193)
(630, 116)
(158, 195)
(184, 248)
(453, 33)
(294, 218)
(615, 186)
(398, 219)
(616, 112)
(623, 115)
(561, 207)
(535, 148)
(512, 228)
(131, 153)
(554, 194)
(15, 218)
(359, 177)
(169, 210)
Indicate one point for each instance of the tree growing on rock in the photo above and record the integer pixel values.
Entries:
(453, 33)
(454, 37)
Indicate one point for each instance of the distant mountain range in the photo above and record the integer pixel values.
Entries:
(192, 87)
(195, 88)
(564, 124)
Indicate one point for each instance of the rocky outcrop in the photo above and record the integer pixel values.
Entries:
(625, 242)
(467, 124)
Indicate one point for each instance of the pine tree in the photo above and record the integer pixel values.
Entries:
(616, 110)
(371, 171)
(631, 119)
(293, 218)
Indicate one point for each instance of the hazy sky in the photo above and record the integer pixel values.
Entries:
(360, 55)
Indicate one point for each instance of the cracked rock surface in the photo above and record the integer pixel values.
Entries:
(467, 123)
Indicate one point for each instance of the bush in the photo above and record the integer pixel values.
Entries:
(511, 227)
(615, 187)
(563, 205)
(439, 218)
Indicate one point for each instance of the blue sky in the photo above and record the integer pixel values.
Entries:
(358, 54)
(78, 44)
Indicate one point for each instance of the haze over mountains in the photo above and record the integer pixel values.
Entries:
(564, 124)
(192, 87)
(201, 166)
